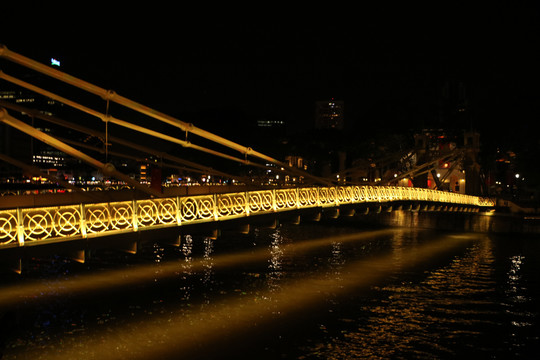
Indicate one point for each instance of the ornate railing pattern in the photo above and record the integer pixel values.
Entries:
(18, 226)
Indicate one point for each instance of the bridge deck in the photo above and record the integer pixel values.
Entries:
(34, 225)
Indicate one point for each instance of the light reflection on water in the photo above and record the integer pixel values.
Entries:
(421, 320)
(275, 267)
(454, 312)
(365, 298)
(207, 260)
(519, 304)
(187, 268)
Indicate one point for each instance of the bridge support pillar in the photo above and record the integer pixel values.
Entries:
(175, 240)
(332, 213)
(130, 246)
(316, 217)
(244, 229)
(269, 223)
(347, 212)
(213, 234)
(78, 256)
(363, 211)
(12, 264)
(17, 266)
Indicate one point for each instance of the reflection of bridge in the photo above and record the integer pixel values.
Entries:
(147, 208)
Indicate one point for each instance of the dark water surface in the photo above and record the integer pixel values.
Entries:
(309, 291)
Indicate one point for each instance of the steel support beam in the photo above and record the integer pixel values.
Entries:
(110, 95)
(119, 122)
(54, 120)
(107, 169)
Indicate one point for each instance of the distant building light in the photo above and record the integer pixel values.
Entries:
(270, 123)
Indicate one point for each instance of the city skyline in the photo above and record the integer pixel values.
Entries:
(391, 69)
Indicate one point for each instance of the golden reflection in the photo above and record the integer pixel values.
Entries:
(158, 253)
(171, 333)
(411, 315)
(10, 295)
(207, 260)
(400, 218)
(397, 246)
(187, 267)
(275, 265)
(337, 259)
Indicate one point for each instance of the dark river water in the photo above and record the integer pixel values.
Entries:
(308, 291)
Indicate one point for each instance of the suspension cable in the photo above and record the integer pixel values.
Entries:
(113, 96)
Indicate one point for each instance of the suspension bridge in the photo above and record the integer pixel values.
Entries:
(71, 222)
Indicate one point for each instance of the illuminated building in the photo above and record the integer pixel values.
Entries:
(270, 123)
(13, 143)
(329, 114)
(22, 147)
(295, 161)
(455, 167)
(27, 149)
(143, 173)
(449, 176)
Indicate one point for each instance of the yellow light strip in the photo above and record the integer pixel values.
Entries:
(162, 336)
(153, 213)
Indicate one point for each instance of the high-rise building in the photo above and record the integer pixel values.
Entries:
(329, 114)
(37, 152)
(20, 146)
(14, 143)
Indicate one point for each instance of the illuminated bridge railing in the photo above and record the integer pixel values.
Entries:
(20, 226)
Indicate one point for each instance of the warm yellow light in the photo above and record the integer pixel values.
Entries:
(110, 217)
(174, 332)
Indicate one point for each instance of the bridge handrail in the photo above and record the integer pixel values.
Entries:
(21, 225)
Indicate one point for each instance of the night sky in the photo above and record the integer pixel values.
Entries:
(224, 69)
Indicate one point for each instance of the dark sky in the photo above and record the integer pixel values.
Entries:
(388, 64)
